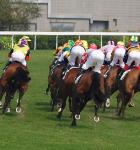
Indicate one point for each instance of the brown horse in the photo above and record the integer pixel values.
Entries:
(90, 86)
(127, 87)
(111, 83)
(54, 81)
(66, 89)
(16, 77)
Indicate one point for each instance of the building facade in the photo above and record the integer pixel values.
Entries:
(88, 15)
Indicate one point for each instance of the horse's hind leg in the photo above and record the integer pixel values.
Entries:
(96, 117)
(18, 108)
(125, 101)
(62, 108)
(2, 91)
(47, 90)
(7, 102)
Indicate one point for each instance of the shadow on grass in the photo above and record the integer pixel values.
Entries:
(126, 118)
(43, 106)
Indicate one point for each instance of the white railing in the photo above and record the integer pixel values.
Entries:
(57, 34)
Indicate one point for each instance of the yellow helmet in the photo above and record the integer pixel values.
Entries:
(121, 43)
(85, 44)
(26, 38)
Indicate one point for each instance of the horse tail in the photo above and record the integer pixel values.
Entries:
(22, 75)
(98, 87)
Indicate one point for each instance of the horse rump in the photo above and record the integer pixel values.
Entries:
(22, 75)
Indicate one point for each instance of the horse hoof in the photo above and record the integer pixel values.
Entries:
(59, 110)
(0, 104)
(18, 110)
(8, 110)
(131, 105)
(77, 117)
(96, 119)
(107, 104)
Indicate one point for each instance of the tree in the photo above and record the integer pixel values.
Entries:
(16, 14)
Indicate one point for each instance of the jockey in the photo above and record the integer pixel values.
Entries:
(133, 55)
(76, 52)
(95, 57)
(133, 41)
(107, 50)
(20, 51)
(57, 52)
(119, 53)
(65, 52)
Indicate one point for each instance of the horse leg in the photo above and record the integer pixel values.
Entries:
(48, 88)
(62, 108)
(18, 108)
(118, 102)
(55, 98)
(2, 91)
(7, 102)
(96, 117)
(70, 105)
(74, 108)
(125, 101)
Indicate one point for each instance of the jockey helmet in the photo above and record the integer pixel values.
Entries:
(70, 43)
(24, 40)
(110, 42)
(78, 42)
(134, 38)
(85, 44)
(120, 43)
(92, 46)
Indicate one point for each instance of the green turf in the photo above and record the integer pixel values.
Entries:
(36, 128)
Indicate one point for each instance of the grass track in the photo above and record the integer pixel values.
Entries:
(36, 128)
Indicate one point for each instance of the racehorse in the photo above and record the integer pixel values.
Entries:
(15, 78)
(111, 83)
(66, 89)
(127, 87)
(54, 81)
(90, 86)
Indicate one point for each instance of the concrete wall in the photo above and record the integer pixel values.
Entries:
(122, 15)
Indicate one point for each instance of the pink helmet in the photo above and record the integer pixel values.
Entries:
(92, 46)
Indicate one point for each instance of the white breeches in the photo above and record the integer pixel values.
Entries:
(76, 51)
(108, 56)
(118, 55)
(96, 58)
(61, 58)
(18, 56)
(133, 56)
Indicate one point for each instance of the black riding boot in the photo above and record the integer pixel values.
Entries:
(105, 74)
(121, 73)
(82, 71)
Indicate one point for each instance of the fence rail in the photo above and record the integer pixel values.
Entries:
(57, 34)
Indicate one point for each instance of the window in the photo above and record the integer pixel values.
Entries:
(99, 26)
(61, 26)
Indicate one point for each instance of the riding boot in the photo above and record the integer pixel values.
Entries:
(126, 67)
(121, 73)
(81, 72)
(7, 64)
(68, 66)
(105, 74)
